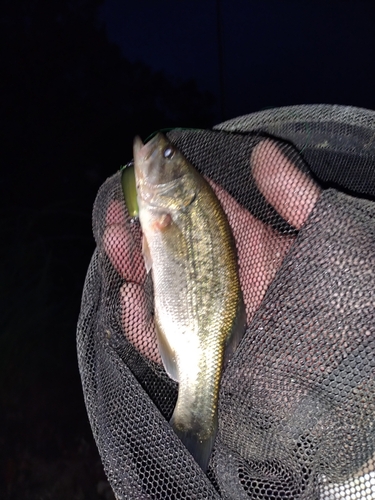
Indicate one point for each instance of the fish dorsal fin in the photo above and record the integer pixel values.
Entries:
(146, 254)
(167, 354)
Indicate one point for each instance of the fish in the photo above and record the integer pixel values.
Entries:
(199, 313)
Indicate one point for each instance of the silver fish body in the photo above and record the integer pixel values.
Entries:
(199, 311)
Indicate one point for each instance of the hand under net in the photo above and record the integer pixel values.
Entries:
(296, 406)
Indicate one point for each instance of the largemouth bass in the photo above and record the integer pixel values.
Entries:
(199, 311)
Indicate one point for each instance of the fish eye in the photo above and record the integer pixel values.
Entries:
(168, 153)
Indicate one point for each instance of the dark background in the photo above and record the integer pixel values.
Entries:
(78, 80)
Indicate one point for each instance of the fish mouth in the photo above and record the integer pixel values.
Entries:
(146, 154)
(145, 151)
(143, 154)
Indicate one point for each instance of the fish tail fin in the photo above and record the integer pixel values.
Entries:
(200, 448)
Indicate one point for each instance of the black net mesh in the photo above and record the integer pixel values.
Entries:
(297, 402)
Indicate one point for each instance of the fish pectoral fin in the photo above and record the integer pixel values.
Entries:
(239, 328)
(146, 254)
(167, 354)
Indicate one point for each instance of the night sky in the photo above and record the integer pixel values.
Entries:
(273, 53)
(79, 80)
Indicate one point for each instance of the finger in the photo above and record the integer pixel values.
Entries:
(260, 250)
(137, 321)
(122, 243)
(291, 192)
(116, 214)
